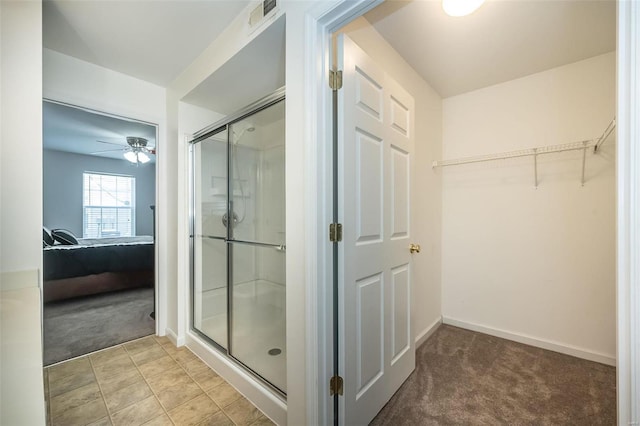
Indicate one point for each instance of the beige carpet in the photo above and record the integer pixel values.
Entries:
(83, 325)
(468, 378)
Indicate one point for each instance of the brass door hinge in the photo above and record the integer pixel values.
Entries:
(335, 232)
(336, 386)
(335, 79)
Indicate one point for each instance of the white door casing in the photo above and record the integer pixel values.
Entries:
(376, 137)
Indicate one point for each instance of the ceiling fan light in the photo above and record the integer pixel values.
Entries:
(460, 7)
(143, 158)
(131, 156)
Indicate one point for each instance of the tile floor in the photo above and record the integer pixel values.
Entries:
(144, 382)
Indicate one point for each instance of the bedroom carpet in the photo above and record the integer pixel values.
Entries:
(79, 326)
(464, 377)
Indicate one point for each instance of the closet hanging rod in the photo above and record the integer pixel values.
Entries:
(605, 135)
(514, 154)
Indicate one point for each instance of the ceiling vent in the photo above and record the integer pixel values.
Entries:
(266, 8)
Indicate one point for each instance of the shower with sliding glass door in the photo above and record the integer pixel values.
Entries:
(238, 247)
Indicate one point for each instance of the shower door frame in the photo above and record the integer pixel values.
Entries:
(220, 126)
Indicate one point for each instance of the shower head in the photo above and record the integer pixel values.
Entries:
(249, 128)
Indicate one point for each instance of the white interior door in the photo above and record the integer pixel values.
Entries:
(375, 125)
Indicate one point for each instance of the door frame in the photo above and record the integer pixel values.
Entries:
(628, 212)
(320, 22)
(159, 288)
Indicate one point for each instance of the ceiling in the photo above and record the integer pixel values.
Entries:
(70, 129)
(150, 40)
(257, 70)
(501, 41)
(156, 40)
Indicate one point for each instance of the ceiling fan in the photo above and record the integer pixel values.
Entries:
(137, 152)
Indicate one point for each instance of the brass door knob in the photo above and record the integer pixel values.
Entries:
(414, 248)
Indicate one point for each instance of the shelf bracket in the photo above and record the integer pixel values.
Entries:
(610, 128)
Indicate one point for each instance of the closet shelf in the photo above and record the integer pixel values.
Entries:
(514, 154)
(574, 146)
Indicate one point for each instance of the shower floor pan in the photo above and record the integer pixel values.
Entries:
(258, 329)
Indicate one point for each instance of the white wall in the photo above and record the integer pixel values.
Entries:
(533, 263)
(426, 200)
(21, 380)
(81, 83)
(194, 118)
(21, 180)
(62, 189)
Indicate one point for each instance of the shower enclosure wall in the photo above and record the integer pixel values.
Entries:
(238, 239)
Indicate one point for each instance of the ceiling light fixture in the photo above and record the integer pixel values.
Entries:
(138, 150)
(137, 157)
(143, 158)
(460, 7)
(131, 156)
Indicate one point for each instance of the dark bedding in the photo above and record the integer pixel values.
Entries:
(97, 256)
(96, 266)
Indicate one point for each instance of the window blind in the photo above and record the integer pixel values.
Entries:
(108, 205)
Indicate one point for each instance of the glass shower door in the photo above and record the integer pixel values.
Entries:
(238, 240)
(210, 238)
(257, 243)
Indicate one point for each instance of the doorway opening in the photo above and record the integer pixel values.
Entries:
(99, 235)
(486, 221)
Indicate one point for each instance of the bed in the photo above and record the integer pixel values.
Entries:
(96, 266)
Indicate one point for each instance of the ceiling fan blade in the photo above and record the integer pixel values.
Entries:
(107, 150)
(110, 143)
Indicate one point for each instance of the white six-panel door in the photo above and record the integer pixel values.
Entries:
(375, 126)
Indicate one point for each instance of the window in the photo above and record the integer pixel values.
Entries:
(108, 204)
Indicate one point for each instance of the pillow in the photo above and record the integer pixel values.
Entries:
(64, 237)
(47, 239)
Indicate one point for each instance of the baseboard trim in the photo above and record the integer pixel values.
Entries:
(427, 332)
(532, 341)
(171, 335)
